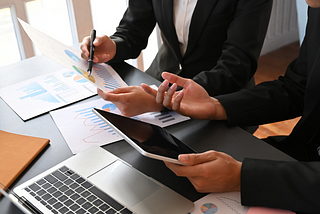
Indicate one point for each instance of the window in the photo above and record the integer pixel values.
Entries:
(68, 21)
(106, 15)
(51, 17)
(9, 45)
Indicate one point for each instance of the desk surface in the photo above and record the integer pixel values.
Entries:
(200, 135)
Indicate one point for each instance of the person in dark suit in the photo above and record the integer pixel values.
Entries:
(217, 44)
(287, 185)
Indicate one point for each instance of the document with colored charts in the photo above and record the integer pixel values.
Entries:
(41, 94)
(81, 128)
(220, 203)
(229, 202)
(102, 75)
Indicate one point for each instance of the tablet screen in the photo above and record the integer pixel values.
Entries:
(150, 138)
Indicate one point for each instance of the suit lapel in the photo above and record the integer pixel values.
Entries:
(169, 30)
(198, 22)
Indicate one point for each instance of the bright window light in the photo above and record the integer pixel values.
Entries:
(8, 43)
(52, 18)
(106, 15)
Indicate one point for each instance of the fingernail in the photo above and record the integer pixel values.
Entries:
(184, 158)
(174, 86)
(165, 83)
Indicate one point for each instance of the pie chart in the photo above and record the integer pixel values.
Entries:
(84, 74)
(72, 56)
(209, 208)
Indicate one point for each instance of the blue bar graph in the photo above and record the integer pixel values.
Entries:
(36, 91)
(109, 81)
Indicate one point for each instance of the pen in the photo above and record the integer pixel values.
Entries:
(90, 60)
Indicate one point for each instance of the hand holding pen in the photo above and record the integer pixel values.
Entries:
(91, 54)
(104, 49)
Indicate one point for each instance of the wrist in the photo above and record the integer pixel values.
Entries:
(220, 112)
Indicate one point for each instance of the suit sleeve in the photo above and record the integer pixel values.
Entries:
(285, 185)
(270, 101)
(134, 30)
(241, 50)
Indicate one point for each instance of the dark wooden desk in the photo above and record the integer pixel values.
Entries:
(200, 135)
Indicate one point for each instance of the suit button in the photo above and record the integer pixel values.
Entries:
(180, 67)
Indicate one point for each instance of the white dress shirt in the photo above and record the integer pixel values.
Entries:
(182, 13)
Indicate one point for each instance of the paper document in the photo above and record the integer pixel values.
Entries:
(220, 203)
(102, 75)
(47, 92)
(44, 93)
(229, 203)
(81, 128)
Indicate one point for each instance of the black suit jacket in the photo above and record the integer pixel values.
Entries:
(296, 185)
(225, 40)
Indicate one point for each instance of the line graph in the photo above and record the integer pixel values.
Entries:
(94, 124)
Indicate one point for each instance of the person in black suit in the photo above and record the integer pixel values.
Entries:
(219, 49)
(287, 185)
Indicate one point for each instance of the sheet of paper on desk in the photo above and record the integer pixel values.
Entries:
(220, 203)
(102, 76)
(81, 128)
(44, 93)
(230, 202)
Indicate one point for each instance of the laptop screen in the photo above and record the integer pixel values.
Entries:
(150, 138)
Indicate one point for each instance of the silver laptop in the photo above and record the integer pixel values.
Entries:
(96, 181)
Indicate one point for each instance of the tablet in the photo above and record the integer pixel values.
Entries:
(148, 139)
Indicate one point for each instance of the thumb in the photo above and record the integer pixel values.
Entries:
(98, 40)
(194, 159)
(149, 90)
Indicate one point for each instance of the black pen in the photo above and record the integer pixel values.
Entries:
(90, 60)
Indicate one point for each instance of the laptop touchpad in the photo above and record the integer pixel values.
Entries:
(124, 183)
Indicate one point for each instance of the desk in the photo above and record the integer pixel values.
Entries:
(200, 135)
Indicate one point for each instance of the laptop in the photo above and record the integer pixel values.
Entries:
(96, 181)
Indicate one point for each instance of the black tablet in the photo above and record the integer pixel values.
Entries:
(148, 139)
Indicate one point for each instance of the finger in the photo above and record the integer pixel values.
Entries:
(108, 96)
(184, 171)
(161, 91)
(177, 101)
(172, 78)
(85, 47)
(121, 90)
(168, 98)
(149, 90)
(98, 40)
(195, 159)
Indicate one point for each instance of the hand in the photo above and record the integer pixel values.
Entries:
(210, 171)
(131, 100)
(105, 49)
(192, 101)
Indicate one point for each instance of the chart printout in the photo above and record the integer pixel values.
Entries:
(41, 94)
(229, 203)
(220, 203)
(102, 76)
(44, 93)
(81, 128)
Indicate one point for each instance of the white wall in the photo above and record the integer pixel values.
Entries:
(283, 25)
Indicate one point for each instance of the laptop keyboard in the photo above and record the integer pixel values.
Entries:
(64, 191)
